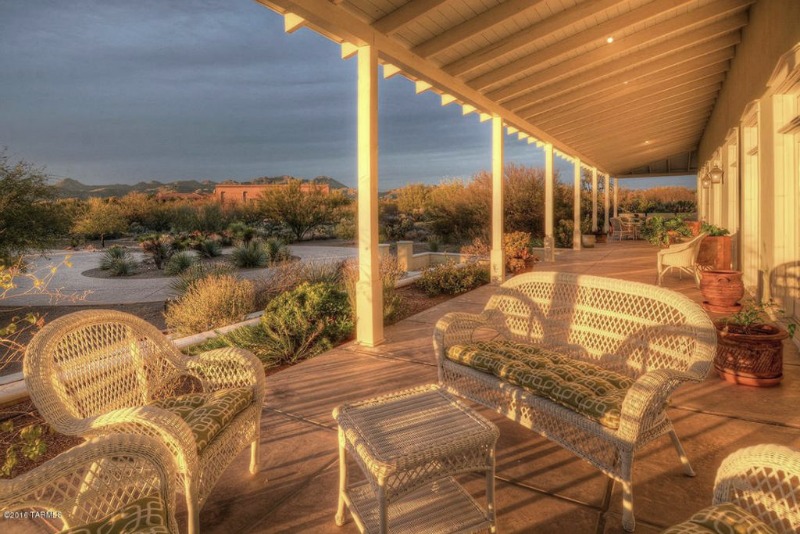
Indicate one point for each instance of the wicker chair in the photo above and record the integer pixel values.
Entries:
(657, 339)
(682, 256)
(123, 478)
(760, 484)
(622, 228)
(100, 371)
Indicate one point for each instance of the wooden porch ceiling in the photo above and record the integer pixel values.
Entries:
(624, 85)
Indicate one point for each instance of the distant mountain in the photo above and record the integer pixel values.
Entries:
(69, 188)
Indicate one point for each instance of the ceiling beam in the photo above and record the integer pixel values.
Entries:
(474, 26)
(609, 73)
(616, 85)
(529, 35)
(339, 25)
(577, 67)
(594, 33)
(620, 164)
(645, 137)
(405, 15)
(689, 91)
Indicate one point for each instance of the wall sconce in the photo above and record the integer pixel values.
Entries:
(716, 174)
(706, 181)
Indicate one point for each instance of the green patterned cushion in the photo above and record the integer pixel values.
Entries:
(207, 414)
(585, 388)
(145, 515)
(726, 518)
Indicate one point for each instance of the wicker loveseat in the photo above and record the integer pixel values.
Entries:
(633, 343)
(101, 371)
(114, 483)
(757, 490)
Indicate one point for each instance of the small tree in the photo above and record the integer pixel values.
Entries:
(29, 219)
(301, 210)
(102, 218)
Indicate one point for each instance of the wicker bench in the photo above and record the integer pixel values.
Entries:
(655, 338)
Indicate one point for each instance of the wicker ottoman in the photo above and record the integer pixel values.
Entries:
(409, 444)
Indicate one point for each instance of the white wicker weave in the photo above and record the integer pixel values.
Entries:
(765, 481)
(94, 372)
(94, 480)
(682, 256)
(654, 335)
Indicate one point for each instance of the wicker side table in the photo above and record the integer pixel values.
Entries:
(409, 444)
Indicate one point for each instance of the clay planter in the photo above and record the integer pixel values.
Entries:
(721, 290)
(694, 226)
(715, 252)
(754, 359)
(588, 240)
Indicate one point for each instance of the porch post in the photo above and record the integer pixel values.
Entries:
(576, 205)
(606, 200)
(616, 197)
(369, 293)
(594, 199)
(549, 240)
(498, 267)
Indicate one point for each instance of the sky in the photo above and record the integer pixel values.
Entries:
(121, 92)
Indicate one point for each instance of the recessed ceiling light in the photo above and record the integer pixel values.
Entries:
(610, 40)
(647, 142)
(625, 82)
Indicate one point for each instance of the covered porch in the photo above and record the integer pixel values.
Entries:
(540, 487)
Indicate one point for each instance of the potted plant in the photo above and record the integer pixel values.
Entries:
(662, 232)
(721, 290)
(716, 249)
(750, 351)
(588, 238)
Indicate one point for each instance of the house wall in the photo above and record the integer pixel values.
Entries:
(754, 136)
(235, 193)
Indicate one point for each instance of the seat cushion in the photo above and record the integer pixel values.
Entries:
(585, 388)
(726, 518)
(145, 515)
(207, 414)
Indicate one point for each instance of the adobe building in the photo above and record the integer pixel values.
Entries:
(249, 192)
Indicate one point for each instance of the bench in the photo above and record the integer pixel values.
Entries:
(650, 338)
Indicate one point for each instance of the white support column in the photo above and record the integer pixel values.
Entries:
(549, 187)
(594, 199)
(369, 290)
(616, 197)
(606, 200)
(498, 265)
(576, 205)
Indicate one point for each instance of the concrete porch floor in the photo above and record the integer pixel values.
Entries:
(540, 487)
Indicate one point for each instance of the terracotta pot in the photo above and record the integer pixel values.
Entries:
(721, 290)
(587, 240)
(694, 226)
(754, 359)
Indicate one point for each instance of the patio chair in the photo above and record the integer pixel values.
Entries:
(115, 483)
(96, 372)
(681, 256)
(756, 490)
(622, 229)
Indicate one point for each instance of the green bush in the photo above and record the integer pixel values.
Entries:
(159, 247)
(211, 302)
(207, 247)
(252, 338)
(113, 254)
(277, 251)
(250, 254)
(179, 263)
(713, 230)
(451, 278)
(288, 275)
(303, 322)
(390, 273)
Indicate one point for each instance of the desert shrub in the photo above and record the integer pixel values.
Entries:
(286, 276)
(111, 255)
(241, 232)
(563, 235)
(207, 247)
(252, 338)
(451, 278)
(178, 263)
(158, 247)
(251, 254)
(199, 271)
(517, 250)
(276, 250)
(211, 302)
(303, 322)
(390, 273)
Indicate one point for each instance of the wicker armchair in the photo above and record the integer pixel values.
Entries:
(759, 484)
(125, 479)
(100, 371)
(622, 228)
(682, 256)
(656, 338)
